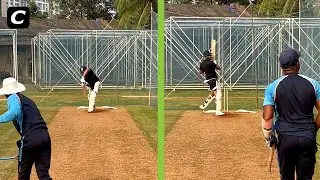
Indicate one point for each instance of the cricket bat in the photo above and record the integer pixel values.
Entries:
(213, 49)
(271, 157)
(83, 90)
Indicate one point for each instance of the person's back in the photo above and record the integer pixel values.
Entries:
(209, 68)
(295, 98)
(32, 119)
(292, 99)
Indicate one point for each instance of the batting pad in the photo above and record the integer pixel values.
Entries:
(103, 107)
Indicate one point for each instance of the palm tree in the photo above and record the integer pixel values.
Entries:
(279, 8)
(135, 13)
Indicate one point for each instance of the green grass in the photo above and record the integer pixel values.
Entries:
(146, 120)
(144, 116)
(180, 101)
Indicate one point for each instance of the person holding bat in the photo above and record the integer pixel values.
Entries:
(35, 143)
(208, 67)
(288, 122)
(90, 80)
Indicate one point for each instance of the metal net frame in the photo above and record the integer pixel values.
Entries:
(120, 58)
(246, 48)
(9, 38)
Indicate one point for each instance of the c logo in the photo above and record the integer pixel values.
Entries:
(18, 17)
(14, 17)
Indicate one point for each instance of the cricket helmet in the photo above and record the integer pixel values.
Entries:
(82, 69)
(206, 53)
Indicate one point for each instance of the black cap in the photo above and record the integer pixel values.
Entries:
(289, 58)
(206, 53)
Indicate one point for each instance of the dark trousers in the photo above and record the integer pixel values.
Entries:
(296, 154)
(36, 150)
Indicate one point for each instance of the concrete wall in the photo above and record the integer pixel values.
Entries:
(24, 61)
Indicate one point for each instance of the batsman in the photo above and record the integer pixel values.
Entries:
(92, 82)
(208, 67)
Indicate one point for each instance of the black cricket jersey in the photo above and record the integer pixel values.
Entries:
(209, 68)
(91, 78)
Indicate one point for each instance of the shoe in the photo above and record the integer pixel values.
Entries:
(201, 107)
(94, 109)
(219, 113)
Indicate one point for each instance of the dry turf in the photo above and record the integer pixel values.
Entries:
(99, 146)
(205, 146)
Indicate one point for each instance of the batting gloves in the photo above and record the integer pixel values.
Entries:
(270, 137)
(83, 82)
(267, 132)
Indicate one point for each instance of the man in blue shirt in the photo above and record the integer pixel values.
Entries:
(290, 101)
(35, 143)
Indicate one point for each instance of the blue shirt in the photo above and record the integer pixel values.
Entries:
(14, 112)
(294, 97)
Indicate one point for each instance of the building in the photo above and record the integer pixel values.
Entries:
(43, 5)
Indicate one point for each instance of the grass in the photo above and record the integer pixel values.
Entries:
(180, 101)
(146, 120)
(143, 115)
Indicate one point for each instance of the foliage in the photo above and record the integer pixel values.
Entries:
(278, 8)
(135, 14)
(34, 11)
(89, 9)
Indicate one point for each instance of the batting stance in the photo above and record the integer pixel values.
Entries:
(35, 143)
(290, 101)
(92, 82)
(209, 66)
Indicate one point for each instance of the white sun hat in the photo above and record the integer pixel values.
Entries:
(11, 86)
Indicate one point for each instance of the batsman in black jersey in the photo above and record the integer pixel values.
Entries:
(90, 79)
(208, 67)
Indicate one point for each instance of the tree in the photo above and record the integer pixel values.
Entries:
(135, 13)
(33, 8)
(34, 11)
(89, 9)
(278, 8)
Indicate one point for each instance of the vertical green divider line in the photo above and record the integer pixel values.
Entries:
(161, 147)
